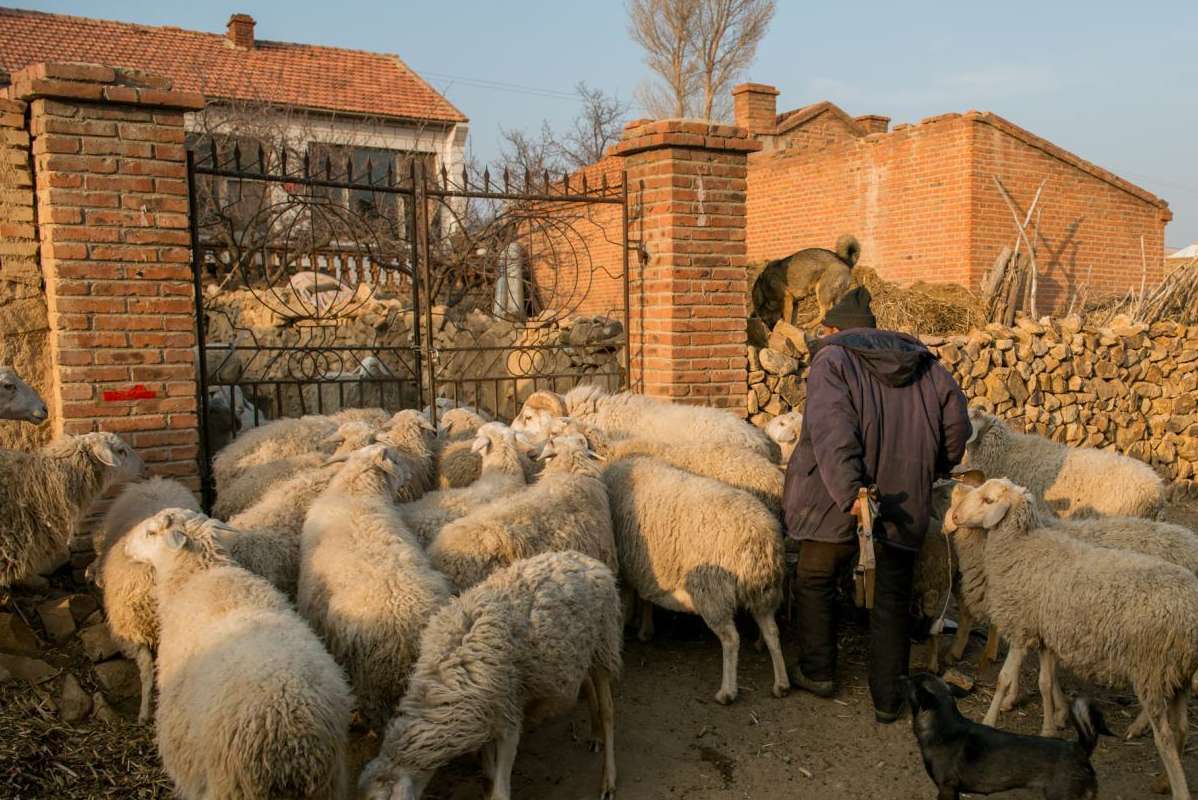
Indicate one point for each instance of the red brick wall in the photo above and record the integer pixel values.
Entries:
(1090, 218)
(903, 195)
(575, 249)
(922, 201)
(823, 130)
(112, 209)
(689, 299)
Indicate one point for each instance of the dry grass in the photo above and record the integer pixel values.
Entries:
(1174, 299)
(939, 309)
(41, 756)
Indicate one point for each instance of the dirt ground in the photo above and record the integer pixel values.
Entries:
(674, 741)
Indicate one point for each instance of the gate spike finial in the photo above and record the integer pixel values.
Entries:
(283, 159)
(444, 177)
(213, 155)
(328, 167)
(584, 181)
(527, 179)
(506, 180)
(390, 172)
(237, 156)
(465, 179)
(369, 172)
(349, 169)
(261, 159)
(565, 183)
(546, 181)
(603, 181)
(486, 179)
(307, 164)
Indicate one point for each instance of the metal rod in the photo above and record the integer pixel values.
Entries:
(197, 268)
(627, 283)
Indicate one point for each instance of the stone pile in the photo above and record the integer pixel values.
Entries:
(1126, 386)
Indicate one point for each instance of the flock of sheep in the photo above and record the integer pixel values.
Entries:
(451, 586)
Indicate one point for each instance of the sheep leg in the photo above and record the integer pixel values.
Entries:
(769, 632)
(145, 668)
(596, 737)
(990, 654)
(607, 713)
(1048, 697)
(645, 631)
(1006, 680)
(961, 637)
(1166, 745)
(505, 758)
(486, 757)
(730, 643)
(934, 654)
(1139, 726)
(1061, 718)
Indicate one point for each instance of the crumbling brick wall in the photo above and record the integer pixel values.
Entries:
(24, 327)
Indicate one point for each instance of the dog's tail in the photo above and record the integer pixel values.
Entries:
(848, 248)
(1088, 723)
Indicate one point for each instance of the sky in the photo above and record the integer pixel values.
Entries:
(1114, 82)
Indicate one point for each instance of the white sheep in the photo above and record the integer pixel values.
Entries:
(127, 586)
(275, 440)
(785, 429)
(44, 495)
(693, 544)
(735, 466)
(18, 400)
(627, 415)
(509, 652)
(502, 474)
(411, 434)
(250, 704)
(458, 465)
(566, 509)
(1108, 615)
(365, 584)
(1068, 481)
(255, 481)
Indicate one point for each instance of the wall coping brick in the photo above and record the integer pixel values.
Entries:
(641, 135)
(96, 82)
(756, 88)
(794, 119)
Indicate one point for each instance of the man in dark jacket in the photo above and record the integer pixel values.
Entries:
(881, 410)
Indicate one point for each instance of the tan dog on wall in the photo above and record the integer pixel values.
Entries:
(815, 270)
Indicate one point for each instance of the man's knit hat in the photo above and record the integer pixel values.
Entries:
(852, 311)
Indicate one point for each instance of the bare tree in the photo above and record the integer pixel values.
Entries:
(697, 49)
(598, 125)
(665, 30)
(725, 39)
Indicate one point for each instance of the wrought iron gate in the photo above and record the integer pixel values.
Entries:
(324, 283)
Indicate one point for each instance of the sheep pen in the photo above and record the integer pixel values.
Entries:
(666, 680)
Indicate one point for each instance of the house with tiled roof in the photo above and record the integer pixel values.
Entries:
(371, 107)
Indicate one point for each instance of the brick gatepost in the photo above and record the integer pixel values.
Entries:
(112, 212)
(690, 299)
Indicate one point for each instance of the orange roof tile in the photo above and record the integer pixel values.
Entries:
(281, 73)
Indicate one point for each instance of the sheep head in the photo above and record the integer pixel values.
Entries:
(382, 781)
(155, 541)
(980, 422)
(983, 507)
(538, 412)
(459, 422)
(406, 427)
(18, 400)
(489, 435)
(349, 436)
(121, 461)
(377, 460)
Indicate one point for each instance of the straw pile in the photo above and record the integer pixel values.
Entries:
(41, 756)
(926, 308)
(1174, 299)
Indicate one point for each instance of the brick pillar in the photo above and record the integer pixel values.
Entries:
(112, 211)
(689, 301)
(756, 107)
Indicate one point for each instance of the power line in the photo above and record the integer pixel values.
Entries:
(515, 88)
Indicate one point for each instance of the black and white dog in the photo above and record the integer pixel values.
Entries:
(964, 756)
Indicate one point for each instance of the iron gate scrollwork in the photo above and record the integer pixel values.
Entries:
(323, 283)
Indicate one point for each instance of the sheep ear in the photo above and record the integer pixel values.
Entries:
(481, 445)
(595, 455)
(547, 452)
(337, 459)
(425, 424)
(972, 477)
(175, 540)
(104, 454)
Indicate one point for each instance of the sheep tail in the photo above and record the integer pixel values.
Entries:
(1089, 724)
(848, 249)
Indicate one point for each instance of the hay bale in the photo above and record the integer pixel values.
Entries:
(922, 308)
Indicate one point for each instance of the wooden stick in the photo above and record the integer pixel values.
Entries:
(1031, 293)
(1022, 228)
(1143, 279)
